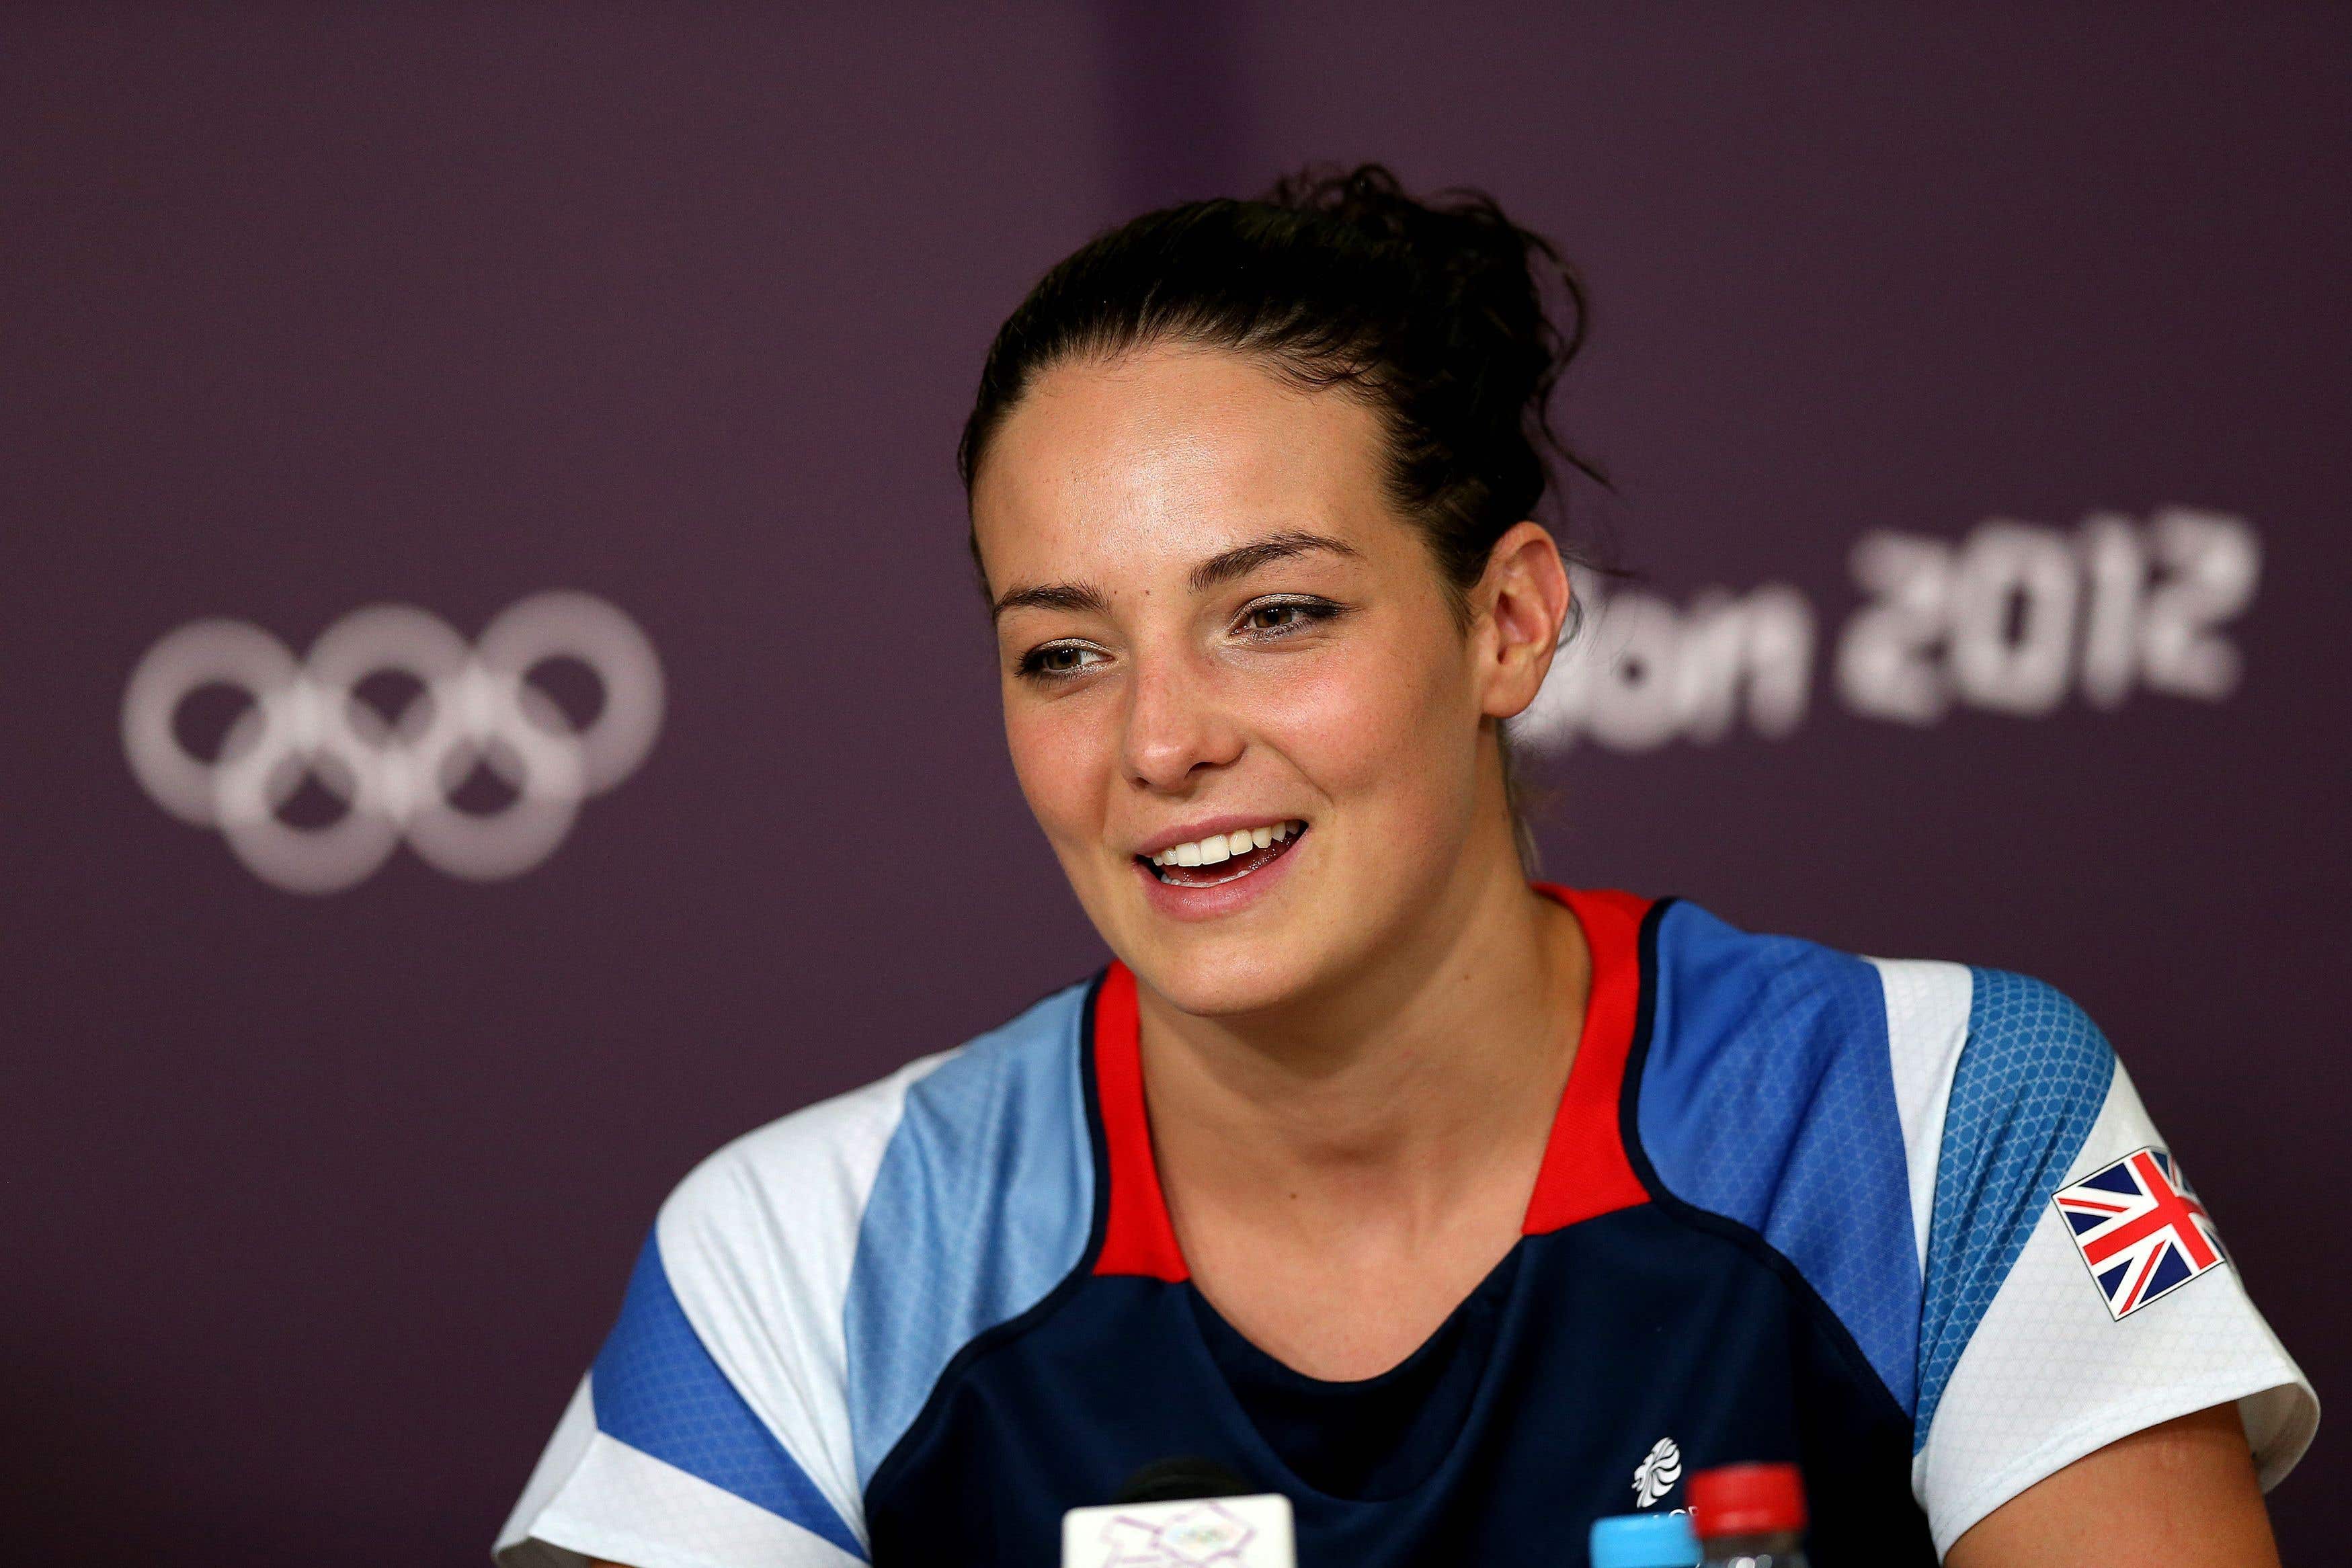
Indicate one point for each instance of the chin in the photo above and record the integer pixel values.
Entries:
(1221, 979)
(1262, 964)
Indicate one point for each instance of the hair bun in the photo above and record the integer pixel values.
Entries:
(1481, 279)
(1435, 308)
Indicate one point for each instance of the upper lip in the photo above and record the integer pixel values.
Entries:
(1203, 828)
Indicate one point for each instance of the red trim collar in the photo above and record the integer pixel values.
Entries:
(1584, 1173)
(1138, 1238)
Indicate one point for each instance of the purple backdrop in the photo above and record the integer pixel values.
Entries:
(322, 1202)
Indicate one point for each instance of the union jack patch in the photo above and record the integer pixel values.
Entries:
(2140, 1229)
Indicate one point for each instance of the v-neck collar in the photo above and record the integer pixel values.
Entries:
(1585, 1171)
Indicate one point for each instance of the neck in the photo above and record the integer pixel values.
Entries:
(1441, 1058)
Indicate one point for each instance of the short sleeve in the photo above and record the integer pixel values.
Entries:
(713, 1430)
(662, 1462)
(2075, 1291)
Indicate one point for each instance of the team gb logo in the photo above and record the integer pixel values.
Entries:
(1655, 1476)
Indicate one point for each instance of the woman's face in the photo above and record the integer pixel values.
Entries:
(1235, 690)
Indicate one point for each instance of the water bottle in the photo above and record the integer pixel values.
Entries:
(1750, 1516)
(1644, 1541)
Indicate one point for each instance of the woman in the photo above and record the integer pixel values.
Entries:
(1461, 1211)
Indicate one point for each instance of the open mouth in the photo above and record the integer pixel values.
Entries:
(1222, 858)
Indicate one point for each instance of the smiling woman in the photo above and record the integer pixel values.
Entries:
(1440, 1201)
(1213, 621)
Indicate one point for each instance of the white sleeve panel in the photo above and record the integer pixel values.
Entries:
(730, 1347)
(2049, 1376)
(1927, 1025)
(623, 1506)
(557, 1463)
(759, 1242)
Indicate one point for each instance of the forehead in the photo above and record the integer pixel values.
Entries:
(1165, 457)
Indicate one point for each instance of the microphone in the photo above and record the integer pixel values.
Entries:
(1183, 1512)
(1180, 1478)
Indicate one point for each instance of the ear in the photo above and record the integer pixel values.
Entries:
(1522, 604)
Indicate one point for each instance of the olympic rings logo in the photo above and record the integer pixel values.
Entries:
(472, 708)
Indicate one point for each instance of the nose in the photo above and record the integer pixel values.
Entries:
(1176, 726)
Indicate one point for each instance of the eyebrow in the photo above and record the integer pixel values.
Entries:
(1076, 597)
(1243, 559)
(1223, 567)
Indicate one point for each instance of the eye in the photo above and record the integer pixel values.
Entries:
(1264, 620)
(1059, 661)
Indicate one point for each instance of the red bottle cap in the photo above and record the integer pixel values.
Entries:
(1748, 1499)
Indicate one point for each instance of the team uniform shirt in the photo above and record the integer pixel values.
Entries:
(1903, 1223)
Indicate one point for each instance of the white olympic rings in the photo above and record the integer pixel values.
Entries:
(475, 708)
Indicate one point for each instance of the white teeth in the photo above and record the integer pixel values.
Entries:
(1218, 848)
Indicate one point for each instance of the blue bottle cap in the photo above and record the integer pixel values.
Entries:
(1644, 1541)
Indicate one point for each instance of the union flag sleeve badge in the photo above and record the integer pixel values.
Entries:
(2140, 1229)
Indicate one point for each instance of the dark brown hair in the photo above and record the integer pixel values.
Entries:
(1432, 311)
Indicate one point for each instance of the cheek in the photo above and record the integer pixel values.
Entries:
(1391, 721)
(1061, 754)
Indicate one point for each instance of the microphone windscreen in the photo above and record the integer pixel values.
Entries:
(1181, 1477)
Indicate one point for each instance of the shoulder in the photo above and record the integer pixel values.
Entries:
(1845, 1109)
(842, 1255)
(802, 1287)
(807, 1179)
(799, 1217)
(1774, 1039)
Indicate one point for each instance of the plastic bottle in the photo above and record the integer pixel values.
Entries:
(1644, 1541)
(1750, 1516)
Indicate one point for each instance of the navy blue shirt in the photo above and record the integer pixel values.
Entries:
(1795, 1206)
